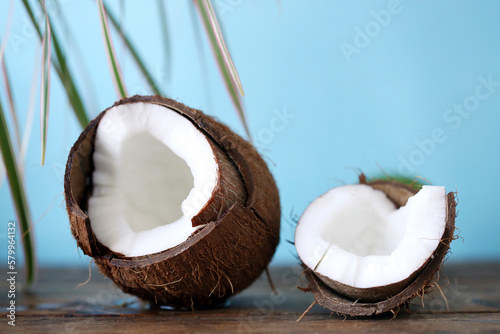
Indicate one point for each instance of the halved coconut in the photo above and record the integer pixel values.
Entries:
(370, 247)
(171, 204)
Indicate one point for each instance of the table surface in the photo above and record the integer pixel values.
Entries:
(57, 304)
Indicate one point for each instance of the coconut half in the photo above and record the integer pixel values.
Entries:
(153, 172)
(172, 205)
(370, 247)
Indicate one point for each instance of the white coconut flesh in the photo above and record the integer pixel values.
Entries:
(354, 234)
(154, 171)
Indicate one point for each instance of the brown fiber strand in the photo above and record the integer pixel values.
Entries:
(270, 280)
(423, 178)
(306, 311)
(90, 275)
(442, 294)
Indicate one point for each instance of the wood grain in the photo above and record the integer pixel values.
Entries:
(58, 305)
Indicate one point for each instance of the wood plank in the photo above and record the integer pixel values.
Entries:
(57, 304)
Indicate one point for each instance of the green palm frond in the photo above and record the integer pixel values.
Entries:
(10, 165)
(6, 78)
(14, 147)
(19, 198)
(135, 55)
(62, 70)
(10, 97)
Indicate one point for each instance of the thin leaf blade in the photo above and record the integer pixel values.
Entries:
(133, 52)
(110, 52)
(9, 165)
(62, 70)
(224, 61)
(10, 97)
(228, 61)
(45, 86)
(28, 126)
(6, 78)
(19, 198)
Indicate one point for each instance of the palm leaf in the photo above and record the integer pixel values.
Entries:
(9, 165)
(28, 126)
(10, 97)
(116, 72)
(19, 197)
(6, 79)
(45, 85)
(133, 52)
(224, 61)
(77, 56)
(212, 26)
(62, 70)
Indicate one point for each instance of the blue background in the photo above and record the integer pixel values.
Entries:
(329, 89)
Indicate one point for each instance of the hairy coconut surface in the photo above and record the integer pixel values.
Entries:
(356, 301)
(235, 233)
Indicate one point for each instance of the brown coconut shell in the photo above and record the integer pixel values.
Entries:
(225, 256)
(353, 301)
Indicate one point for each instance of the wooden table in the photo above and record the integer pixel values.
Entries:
(58, 305)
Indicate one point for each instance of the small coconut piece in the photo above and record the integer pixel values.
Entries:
(370, 248)
(172, 205)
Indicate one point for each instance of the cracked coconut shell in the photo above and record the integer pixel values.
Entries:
(241, 222)
(348, 300)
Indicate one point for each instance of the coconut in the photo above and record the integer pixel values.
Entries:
(369, 248)
(172, 205)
